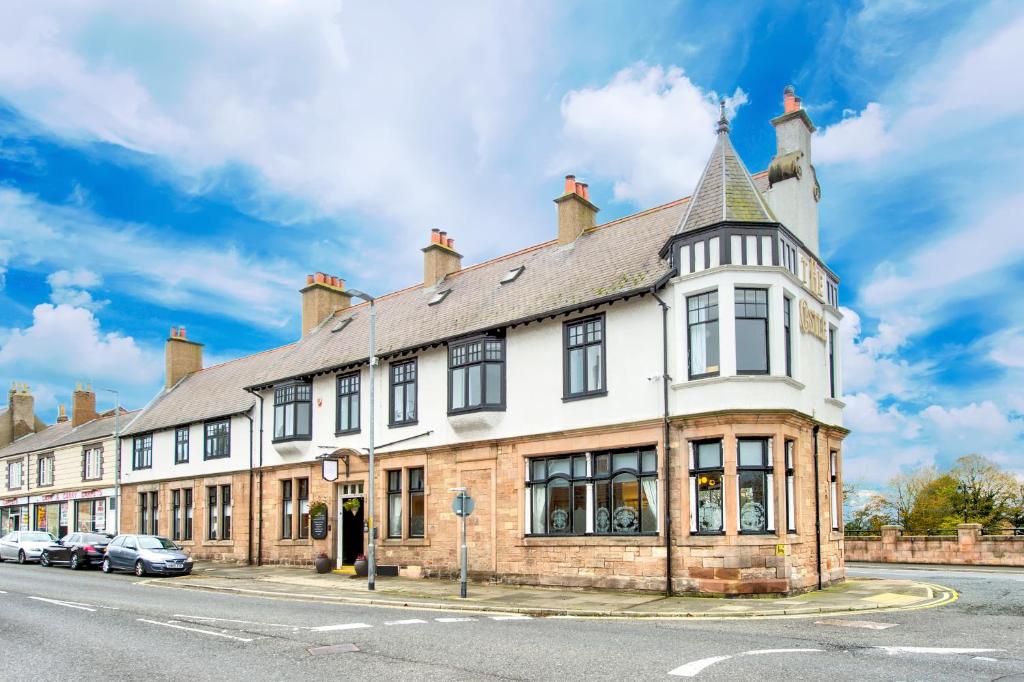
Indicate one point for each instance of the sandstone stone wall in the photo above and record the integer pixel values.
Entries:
(967, 547)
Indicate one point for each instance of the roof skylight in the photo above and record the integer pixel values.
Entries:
(512, 274)
(341, 324)
(439, 296)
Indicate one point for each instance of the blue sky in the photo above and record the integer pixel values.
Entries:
(190, 164)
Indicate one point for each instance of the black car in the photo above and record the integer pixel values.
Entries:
(76, 550)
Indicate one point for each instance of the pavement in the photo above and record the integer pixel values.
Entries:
(121, 628)
(854, 595)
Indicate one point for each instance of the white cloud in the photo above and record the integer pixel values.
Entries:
(864, 415)
(69, 287)
(858, 137)
(970, 421)
(1007, 348)
(651, 128)
(872, 364)
(68, 340)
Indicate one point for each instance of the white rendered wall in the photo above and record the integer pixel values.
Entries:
(163, 454)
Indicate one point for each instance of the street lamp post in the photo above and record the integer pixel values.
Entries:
(117, 455)
(371, 552)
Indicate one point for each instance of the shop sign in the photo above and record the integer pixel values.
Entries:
(812, 276)
(41, 517)
(812, 323)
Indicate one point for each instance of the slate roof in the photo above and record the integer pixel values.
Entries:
(40, 440)
(62, 433)
(726, 191)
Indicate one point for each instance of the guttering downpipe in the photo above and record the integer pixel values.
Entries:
(248, 551)
(259, 524)
(817, 504)
(667, 435)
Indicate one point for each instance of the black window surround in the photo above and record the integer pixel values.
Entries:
(293, 411)
(142, 452)
(835, 511)
(583, 341)
(832, 362)
(303, 510)
(347, 412)
(754, 486)
(394, 504)
(403, 392)
(751, 307)
(475, 366)
(287, 512)
(790, 486)
(181, 445)
(189, 509)
(702, 334)
(176, 514)
(619, 485)
(787, 332)
(218, 512)
(417, 506)
(217, 440)
(707, 477)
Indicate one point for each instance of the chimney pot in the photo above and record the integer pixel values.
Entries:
(174, 332)
(570, 184)
(181, 332)
(451, 243)
(585, 190)
(444, 237)
(309, 279)
(435, 235)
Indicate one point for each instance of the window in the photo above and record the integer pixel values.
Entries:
(439, 297)
(787, 332)
(348, 403)
(416, 503)
(181, 445)
(512, 275)
(154, 527)
(584, 359)
(603, 493)
(403, 393)
(188, 514)
(395, 503)
(90, 516)
(293, 412)
(142, 452)
(702, 332)
(707, 511)
(754, 485)
(148, 515)
(303, 508)
(832, 362)
(751, 331)
(791, 499)
(14, 475)
(286, 509)
(476, 375)
(218, 439)
(44, 470)
(834, 487)
(175, 514)
(92, 464)
(218, 512)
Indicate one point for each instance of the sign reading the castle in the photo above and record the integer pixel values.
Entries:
(812, 276)
(812, 322)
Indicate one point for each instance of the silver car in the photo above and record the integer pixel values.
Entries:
(24, 545)
(146, 554)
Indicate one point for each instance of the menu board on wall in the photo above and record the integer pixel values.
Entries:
(318, 526)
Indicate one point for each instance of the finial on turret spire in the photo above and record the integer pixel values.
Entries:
(723, 122)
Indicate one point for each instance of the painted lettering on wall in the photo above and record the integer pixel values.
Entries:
(812, 322)
(812, 276)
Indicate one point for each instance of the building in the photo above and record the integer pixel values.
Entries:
(62, 478)
(649, 403)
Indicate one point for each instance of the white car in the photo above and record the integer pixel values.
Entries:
(24, 545)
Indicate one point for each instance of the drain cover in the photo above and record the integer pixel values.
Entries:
(332, 649)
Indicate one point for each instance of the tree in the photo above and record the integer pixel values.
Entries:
(933, 507)
(984, 493)
(904, 489)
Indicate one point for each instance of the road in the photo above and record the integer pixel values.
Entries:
(86, 625)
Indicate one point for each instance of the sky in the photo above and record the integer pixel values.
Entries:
(188, 164)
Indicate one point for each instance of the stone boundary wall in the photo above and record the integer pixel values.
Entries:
(967, 547)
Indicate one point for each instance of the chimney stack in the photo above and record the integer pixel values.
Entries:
(83, 405)
(22, 409)
(322, 296)
(576, 214)
(62, 413)
(794, 192)
(440, 258)
(181, 358)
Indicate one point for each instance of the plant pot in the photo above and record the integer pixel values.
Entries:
(322, 564)
(362, 567)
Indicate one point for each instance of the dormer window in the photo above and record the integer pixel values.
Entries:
(293, 412)
(512, 274)
(476, 375)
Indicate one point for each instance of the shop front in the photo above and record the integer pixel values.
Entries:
(82, 511)
(13, 514)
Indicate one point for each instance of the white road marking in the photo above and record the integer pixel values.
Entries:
(408, 621)
(510, 618)
(202, 632)
(694, 668)
(243, 622)
(455, 620)
(866, 624)
(984, 658)
(95, 606)
(939, 651)
(80, 607)
(340, 626)
(2, 592)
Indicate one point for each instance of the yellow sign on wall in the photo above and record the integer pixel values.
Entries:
(812, 322)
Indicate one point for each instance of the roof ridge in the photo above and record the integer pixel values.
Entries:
(242, 357)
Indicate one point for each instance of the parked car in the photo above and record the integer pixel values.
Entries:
(24, 545)
(146, 554)
(76, 550)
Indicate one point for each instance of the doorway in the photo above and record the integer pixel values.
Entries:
(350, 523)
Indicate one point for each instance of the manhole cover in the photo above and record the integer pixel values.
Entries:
(332, 649)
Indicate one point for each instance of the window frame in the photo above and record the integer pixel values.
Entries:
(689, 332)
(482, 362)
(787, 333)
(394, 492)
(766, 320)
(21, 475)
(834, 511)
(207, 438)
(188, 503)
(765, 468)
(351, 396)
(226, 510)
(97, 452)
(182, 445)
(298, 389)
(832, 383)
(287, 509)
(418, 492)
(568, 347)
(49, 460)
(146, 439)
(406, 382)
(176, 514)
(212, 520)
(695, 471)
(302, 510)
(790, 466)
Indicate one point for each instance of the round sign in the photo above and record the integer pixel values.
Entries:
(463, 505)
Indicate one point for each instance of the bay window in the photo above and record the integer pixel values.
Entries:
(584, 358)
(702, 334)
(754, 485)
(293, 412)
(476, 375)
(707, 508)
(751, 331)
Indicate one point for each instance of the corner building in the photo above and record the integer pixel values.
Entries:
(648, 403)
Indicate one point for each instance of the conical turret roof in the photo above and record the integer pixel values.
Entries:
(725, 192)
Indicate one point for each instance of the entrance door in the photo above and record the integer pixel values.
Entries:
(350, 525)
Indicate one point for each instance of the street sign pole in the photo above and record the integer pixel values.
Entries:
(464, 554)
